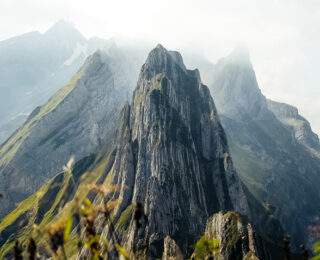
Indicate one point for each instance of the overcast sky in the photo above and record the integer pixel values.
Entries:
(283, 36)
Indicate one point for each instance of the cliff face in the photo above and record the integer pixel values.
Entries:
(172, 156)
(77, 120)
(277, 162)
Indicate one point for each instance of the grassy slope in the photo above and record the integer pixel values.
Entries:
(255, 172)
(11, 146)
(30, 205)
(276, 170)
(252, 170)
(58, 208)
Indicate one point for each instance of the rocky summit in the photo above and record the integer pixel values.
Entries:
(172, 156)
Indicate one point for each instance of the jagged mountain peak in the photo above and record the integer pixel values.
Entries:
(164, 73)
(172, 155)
(61, 25)
(240, 55)
(159, 46)
(65, 30)
(161, 60)
(234, 86)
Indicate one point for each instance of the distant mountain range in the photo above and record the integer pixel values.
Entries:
(33, 66)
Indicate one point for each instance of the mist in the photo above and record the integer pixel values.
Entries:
(282, 36)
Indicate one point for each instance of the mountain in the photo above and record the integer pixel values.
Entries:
(33, 66)
(171, 146)
(233, 85)
(76, 120)
(273, 148)
(169, 155)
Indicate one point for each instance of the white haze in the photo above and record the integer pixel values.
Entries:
(283, 36)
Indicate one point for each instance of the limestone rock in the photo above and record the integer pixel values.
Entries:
(171, 250)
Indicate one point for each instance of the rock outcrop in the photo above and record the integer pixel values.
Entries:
(171, 250)
(236, 240)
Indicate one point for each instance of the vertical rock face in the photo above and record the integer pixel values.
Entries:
(272, 159)
(76, 121)
(172, 156)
